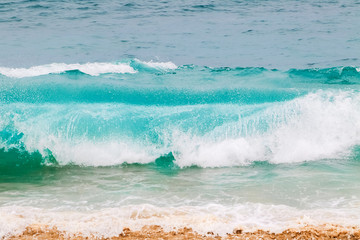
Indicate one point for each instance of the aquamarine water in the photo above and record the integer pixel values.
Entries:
(202, 114)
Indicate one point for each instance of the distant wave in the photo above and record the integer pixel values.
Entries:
(160, 65)
(194, 76)
(93, 69)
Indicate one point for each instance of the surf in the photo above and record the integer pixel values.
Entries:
(319, 125)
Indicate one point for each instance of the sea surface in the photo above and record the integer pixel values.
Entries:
(213, 115)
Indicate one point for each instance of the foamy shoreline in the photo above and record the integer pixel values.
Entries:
(156, 232)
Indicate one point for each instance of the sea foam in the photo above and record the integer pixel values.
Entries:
(320, 125)
(216, 218)
(160, 65)
(93, 69)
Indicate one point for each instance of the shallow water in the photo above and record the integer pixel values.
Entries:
(302, 186)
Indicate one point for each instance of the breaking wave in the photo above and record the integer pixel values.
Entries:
(319, 125)
(202, 116)
(93, 69)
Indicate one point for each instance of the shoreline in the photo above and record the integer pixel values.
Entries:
(156, 232)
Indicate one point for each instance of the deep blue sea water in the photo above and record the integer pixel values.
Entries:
(258, 33)
(213, 115)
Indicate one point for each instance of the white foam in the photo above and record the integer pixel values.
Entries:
(217, 218)
(160, 65)
(107, 153)
(93, 69)
(320, 125)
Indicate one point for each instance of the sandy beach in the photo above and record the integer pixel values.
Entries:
(156, 232)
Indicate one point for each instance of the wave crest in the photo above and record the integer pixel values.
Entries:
(320, 125)
(93, 69)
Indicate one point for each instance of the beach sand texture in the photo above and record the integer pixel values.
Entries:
(156, 232)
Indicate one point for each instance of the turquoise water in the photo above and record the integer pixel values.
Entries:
(207, 115)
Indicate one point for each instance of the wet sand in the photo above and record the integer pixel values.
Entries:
(156, 232)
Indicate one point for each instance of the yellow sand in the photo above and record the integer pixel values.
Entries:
(156, 232)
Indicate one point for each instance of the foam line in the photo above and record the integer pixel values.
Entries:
(93, 69)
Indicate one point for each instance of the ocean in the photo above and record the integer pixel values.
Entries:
(209, 115)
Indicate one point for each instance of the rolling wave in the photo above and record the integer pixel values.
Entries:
(138, 112)
(93, 69)
(319, 125)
